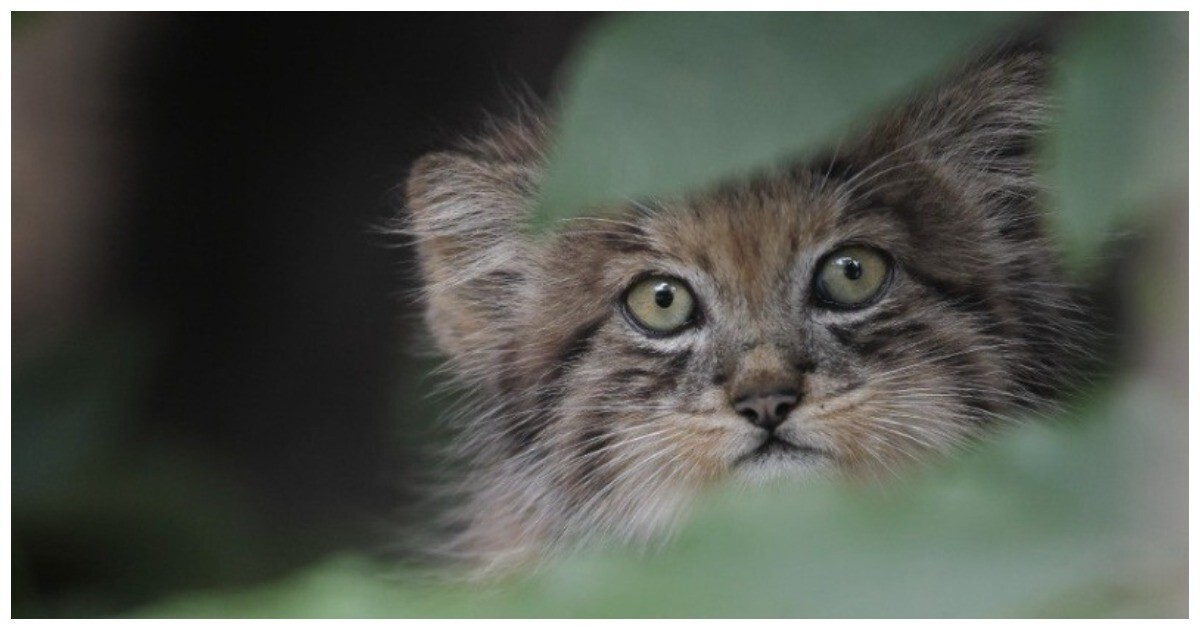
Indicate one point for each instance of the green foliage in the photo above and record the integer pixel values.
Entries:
(659, 103)
(1032, 525)
(1119, 141)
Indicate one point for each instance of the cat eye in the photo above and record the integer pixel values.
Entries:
(851, 276)
(660, 305)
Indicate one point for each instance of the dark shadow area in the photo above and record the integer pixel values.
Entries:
(231, 391)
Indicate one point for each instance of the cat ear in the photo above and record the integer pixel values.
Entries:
(466, 213)
(981, 128)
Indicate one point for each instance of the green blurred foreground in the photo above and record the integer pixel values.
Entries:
(1050, 521)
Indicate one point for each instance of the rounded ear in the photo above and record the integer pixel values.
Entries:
(466, 214)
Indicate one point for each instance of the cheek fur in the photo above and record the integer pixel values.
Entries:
(922, 386)
(684, 424)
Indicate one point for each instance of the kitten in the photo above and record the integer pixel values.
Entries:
(844, 314)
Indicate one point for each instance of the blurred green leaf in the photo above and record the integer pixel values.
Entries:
(1119, 142)
(658, 103)
(1034, 524)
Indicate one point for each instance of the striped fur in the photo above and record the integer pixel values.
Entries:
(577, 425)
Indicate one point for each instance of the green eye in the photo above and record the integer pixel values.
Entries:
(661, 305)
(851, 276)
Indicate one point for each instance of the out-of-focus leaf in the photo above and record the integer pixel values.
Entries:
(1120, 140)
(1035, 524)
(658, 103)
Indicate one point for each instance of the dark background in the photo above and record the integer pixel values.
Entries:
(216, 360)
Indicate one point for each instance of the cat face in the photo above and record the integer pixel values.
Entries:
(842, 314)
(778, 327)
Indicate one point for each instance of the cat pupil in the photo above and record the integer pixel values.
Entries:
(663, 296)
(852, 268)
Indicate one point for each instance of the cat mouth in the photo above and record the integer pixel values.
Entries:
(774, 446)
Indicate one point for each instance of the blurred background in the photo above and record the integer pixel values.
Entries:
(213, 381)
(218, 384)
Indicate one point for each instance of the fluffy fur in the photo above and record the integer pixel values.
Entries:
(580, 425)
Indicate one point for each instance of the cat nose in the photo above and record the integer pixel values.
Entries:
(767, 409)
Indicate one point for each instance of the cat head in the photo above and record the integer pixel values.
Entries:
(847, 313)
